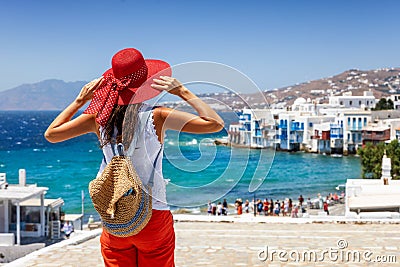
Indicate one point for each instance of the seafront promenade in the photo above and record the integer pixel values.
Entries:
(248, 241)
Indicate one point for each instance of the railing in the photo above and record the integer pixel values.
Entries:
(376, 137)
(355, 128)
(296, 128)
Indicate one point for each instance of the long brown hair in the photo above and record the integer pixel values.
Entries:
(113, 124)
(122, 117)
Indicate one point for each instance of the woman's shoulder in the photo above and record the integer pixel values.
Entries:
(155, 108)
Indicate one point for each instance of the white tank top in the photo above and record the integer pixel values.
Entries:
(143, 157)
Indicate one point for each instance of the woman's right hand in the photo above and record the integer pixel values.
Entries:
(88, 90)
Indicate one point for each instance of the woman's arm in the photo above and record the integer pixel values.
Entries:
(63, 128)
(207, 121)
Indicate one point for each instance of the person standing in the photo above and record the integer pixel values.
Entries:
(239, 207)
(259, 206)
(117, 95)
(209, 208)
(225, 207)
(219, 209)
(326, 207)
(67, 229)
(246, 206)
(277, 208)
(214, 209)
(301, 200)
(271, 207)
(266, 206)
(290, 206)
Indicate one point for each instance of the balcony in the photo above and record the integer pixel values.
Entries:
(297, 127)
(283, 137)
(282, 126)
(325, 135)
(355, 128)
(380, 136)
(336, 126)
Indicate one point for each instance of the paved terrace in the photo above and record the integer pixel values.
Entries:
(242, 241)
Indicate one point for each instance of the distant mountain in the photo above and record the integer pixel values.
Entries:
(57, 94)
(45, 95)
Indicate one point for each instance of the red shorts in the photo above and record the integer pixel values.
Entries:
(153, 246)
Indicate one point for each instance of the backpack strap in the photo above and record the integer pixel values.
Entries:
(151, 180)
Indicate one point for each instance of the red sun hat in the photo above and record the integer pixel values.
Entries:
(127, 82)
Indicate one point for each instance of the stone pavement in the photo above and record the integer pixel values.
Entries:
(244, 243)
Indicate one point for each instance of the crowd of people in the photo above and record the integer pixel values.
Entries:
(269, 207)
(217, 209)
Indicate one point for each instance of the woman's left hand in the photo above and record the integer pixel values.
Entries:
(169, 84)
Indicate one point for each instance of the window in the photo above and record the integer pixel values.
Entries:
(365, 121)
(341, 103)
(348, 121)
(350, 102)
(359, 102)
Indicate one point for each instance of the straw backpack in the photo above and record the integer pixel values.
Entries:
(118, 195)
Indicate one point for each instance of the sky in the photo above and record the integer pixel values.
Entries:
(274, 43)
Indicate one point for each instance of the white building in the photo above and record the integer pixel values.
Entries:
(347, 100)
(256, 129)
(353, 123)
(296, 129)
(396, 101)
(320, 140)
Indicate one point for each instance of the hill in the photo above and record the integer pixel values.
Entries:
(44, 95)
(382, 82)
(57, 94)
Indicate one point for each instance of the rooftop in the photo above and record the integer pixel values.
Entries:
(21, 193)
(35, 202)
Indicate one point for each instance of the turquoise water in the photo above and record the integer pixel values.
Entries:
(198, 170)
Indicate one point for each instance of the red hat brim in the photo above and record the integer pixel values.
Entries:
(133, 95)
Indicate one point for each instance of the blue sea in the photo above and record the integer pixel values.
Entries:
(197, 170)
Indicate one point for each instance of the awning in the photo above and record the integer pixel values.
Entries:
(72, 217)
(49, 202)
(20, 193)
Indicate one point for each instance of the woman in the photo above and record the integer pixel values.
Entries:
(130, 81)
(265, 204)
